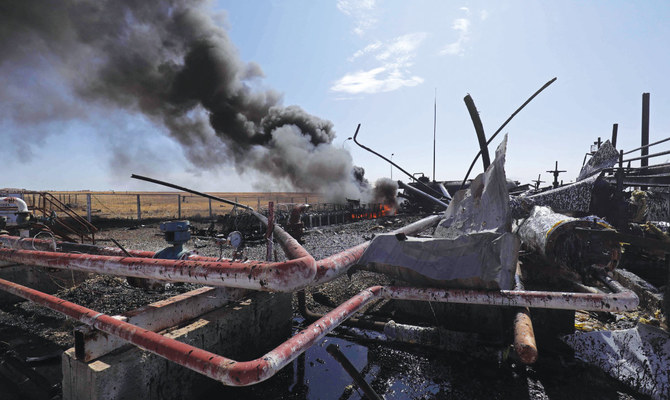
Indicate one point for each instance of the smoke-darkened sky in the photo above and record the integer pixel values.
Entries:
(236, 96)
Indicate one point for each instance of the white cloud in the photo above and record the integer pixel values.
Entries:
(362, 12)
(457, 48)
(402, 48)
(484, 14)
(377, 80)
(395, 57)
(462, 25)
(372, 47)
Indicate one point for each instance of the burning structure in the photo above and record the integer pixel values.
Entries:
(470, 259)
(462, 262)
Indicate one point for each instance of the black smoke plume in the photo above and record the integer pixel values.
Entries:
(172, 62)
(385, 192)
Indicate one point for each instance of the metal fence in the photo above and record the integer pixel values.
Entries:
(164, 205)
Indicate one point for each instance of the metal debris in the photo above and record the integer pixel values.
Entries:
(638, 357)
(473, 246)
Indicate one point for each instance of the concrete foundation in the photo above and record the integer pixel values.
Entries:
(242, 331)
(38, 278)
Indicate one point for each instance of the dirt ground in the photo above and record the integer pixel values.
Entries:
(34, 336)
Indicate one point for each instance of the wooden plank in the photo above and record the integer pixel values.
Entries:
(91, 344)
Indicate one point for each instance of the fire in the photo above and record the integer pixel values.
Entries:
(388, 210)
(380, 210)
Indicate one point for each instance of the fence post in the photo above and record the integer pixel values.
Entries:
(88, 206)
(258, 207)
(139, 209)
(269, 232)
(210, 208)
(178, 206)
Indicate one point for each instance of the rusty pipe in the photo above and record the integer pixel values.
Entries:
(225, 370)
(257, 275)
(304, 271)
(525, 345)
(235, 373)
(624, 300)
(15, 242)
(286, 276)
(524, 337)
(299, 272)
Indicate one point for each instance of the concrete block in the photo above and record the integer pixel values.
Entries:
(242, 331)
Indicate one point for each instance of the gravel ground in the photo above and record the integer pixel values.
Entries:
(395, 371)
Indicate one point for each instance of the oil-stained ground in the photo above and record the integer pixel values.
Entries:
(32, 339)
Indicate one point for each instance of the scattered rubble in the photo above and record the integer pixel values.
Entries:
(503, 272)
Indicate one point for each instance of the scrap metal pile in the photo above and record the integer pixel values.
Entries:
(555, 249)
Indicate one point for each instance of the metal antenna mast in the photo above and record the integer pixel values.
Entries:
(434, 130)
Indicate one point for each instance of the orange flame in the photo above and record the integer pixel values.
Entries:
(382, 211)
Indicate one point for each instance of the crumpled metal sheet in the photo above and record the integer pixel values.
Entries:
(484, 206)
(572, 197)
(606, 157)
(484, 260)
(473, 246)
(638, 357)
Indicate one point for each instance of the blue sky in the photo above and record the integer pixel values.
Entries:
(379, 63)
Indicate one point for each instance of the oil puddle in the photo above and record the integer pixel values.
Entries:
(30, 366)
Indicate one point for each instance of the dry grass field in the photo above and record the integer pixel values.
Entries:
(170, 204)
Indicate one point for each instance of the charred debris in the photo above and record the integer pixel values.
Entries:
(488, 257)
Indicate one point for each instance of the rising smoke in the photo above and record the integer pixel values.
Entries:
(385, 192)
(172, 62)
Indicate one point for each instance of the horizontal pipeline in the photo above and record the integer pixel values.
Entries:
(257, 275)
(624, 300)
(299, 272)
(243, 373)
